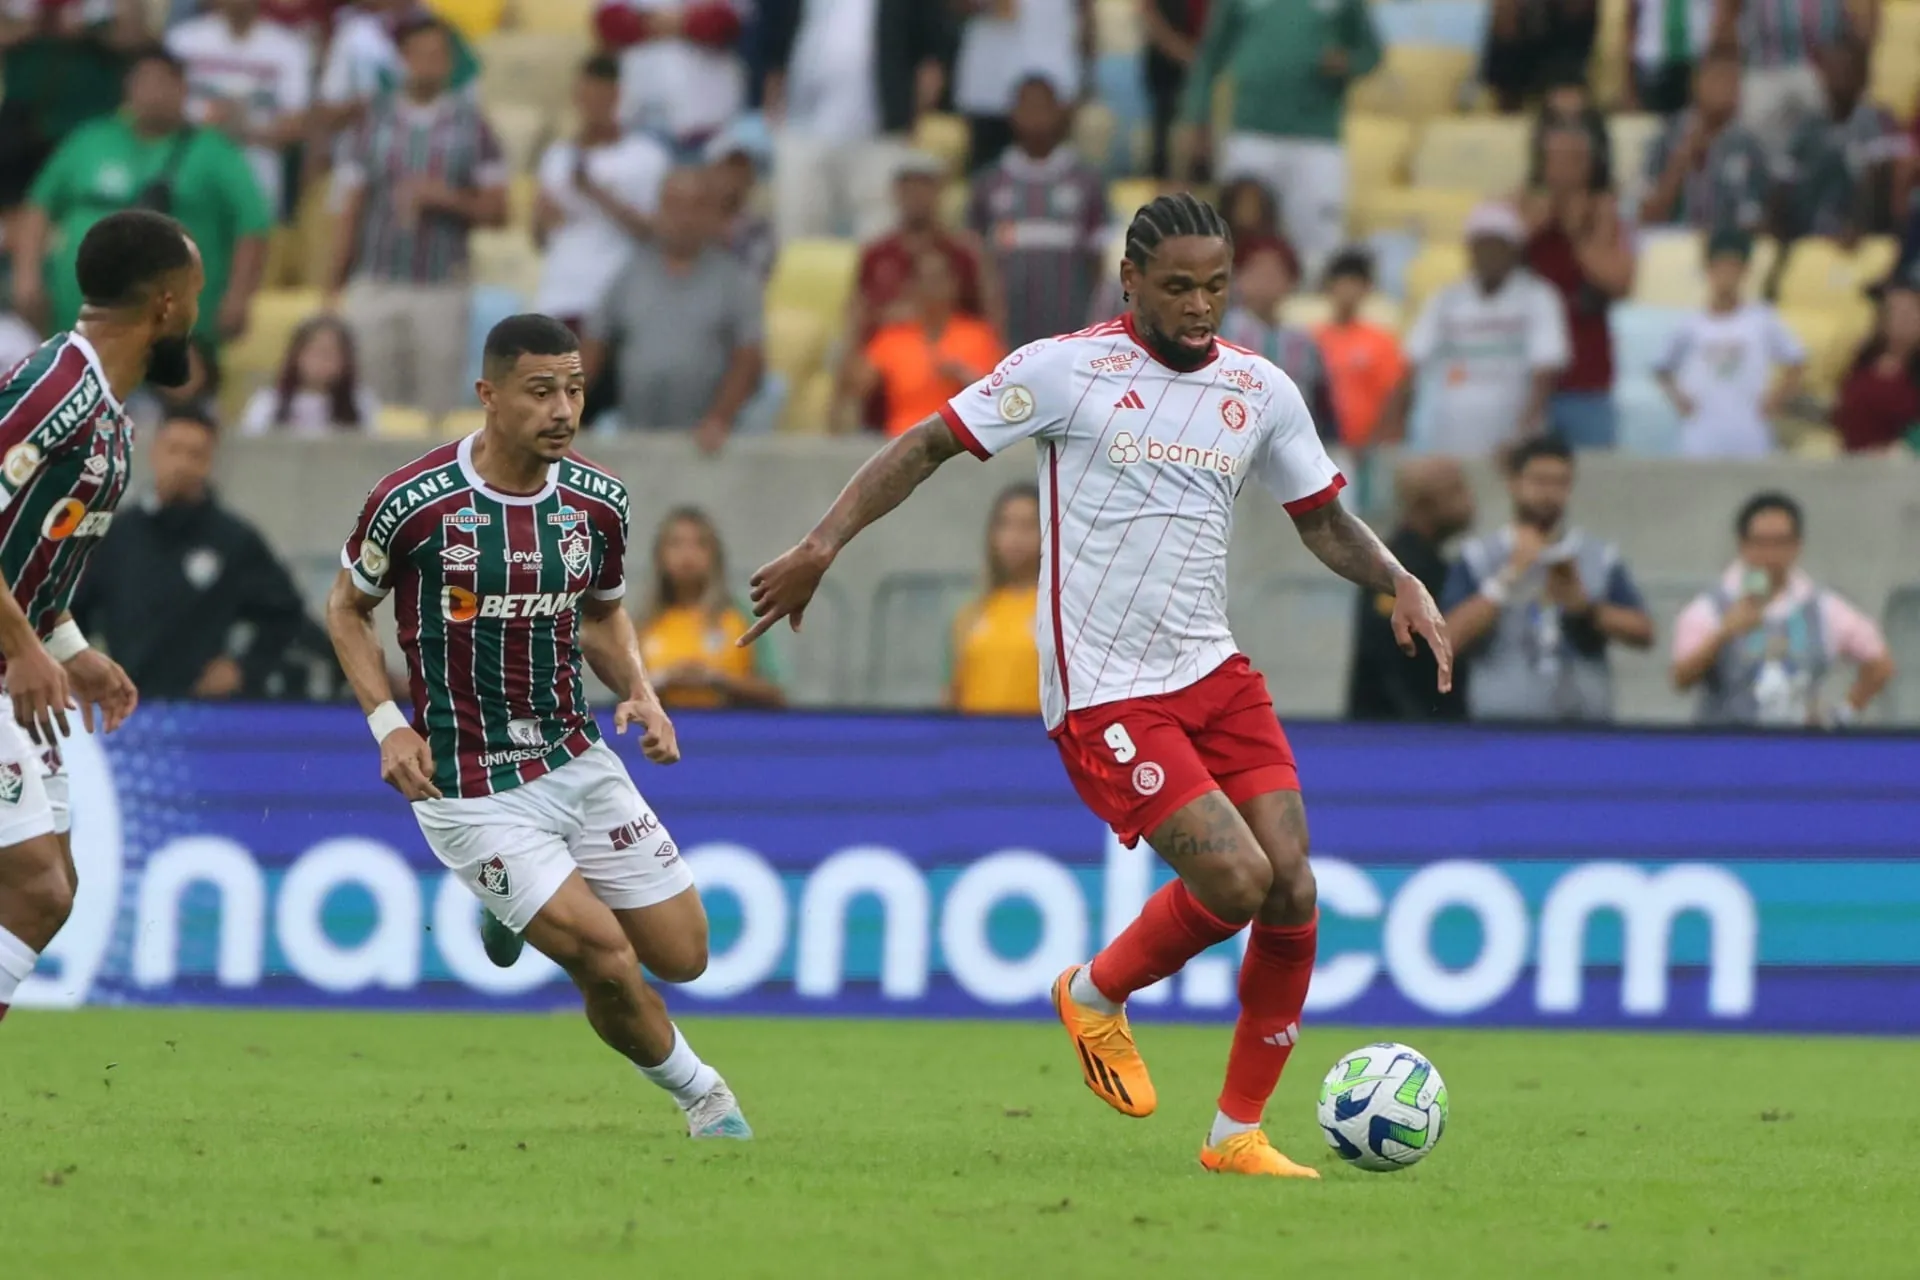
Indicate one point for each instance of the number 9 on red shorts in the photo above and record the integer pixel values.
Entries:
(1138, 761)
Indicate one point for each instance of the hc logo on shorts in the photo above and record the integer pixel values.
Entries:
(1148, 778)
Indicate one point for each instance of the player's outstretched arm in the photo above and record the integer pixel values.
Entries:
(612, 649)
(1345, 544)
(406, 763)
(784, 588)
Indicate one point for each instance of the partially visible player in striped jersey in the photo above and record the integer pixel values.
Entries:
(1146, 429)
(504, 553)
(65, 448)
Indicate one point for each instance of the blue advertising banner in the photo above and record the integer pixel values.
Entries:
(931, 866)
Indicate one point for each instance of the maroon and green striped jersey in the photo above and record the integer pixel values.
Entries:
(487, 588)
(66, 448)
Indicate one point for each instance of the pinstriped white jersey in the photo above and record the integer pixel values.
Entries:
(1139, 467)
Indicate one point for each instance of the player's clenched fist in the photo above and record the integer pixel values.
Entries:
(658, 742)
(406, 765)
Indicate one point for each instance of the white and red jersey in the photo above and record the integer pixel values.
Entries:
(1139, 467)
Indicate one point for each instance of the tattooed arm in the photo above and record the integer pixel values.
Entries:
(1345, 544)
(784, 588)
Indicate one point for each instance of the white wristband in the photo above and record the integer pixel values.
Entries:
(67, 642)
(385, 719)
(1494, 589)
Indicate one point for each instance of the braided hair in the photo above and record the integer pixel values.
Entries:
(1171, 216)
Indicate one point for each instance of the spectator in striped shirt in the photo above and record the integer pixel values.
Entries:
(1708, 171)
(1840, 175)
(1265, 279)
(421, 171)
(1782, 41)
(1042, 213)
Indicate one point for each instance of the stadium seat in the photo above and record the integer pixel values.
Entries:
(530, 68)
(398, 422)
(508, 259)
(524, 129)
(1095, 128)
(1818, 443)
(474, 18)
(1416, 81)
(1487, 154)
(1632, 135)
(1126, 195)
(1641, 336)
(815, 275)
(521, 192)
(569, 17)
(945, 136)
(1429, 213)
(1832, 336)
(953, 202)
(809, 410)
(1671, 273)
(1895, 81)
(257, 354)
(1649, 424)
(1438, 265)
(1377, 149)
(461, 423)
(796, 342)
(1820, 273)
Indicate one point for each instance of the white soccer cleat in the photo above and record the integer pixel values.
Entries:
(716, 1114)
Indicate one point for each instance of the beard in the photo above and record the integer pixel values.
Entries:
(1171, 353)
(1545, 519)
(170, 362)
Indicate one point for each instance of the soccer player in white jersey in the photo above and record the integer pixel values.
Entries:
(1146, 429)
(504, 553)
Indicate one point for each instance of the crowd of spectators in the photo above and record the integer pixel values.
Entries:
(356, 152)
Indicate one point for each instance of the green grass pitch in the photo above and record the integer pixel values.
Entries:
(174, 1143)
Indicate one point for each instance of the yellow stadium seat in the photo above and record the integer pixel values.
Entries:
(261, 350)
(809, 409)
(815, 275)
(1094, 129)
(1429, 213)
(1895, 82)
(398, 422)
(1631, 135)
(1818, 443)
(1672, 273)
(521, 192)
(523, 130)
(553, 16)
(953, 202)
(1487, 154)
(533, 69)
(474, 18)
(944, 136)
(1819, 272)
(1438, 264)
(1377, 150)
(506, 258)
(1126, 195)
(1311, 310)
(796, 341)
(461, 423)
(1832, 336)
(1416, 81)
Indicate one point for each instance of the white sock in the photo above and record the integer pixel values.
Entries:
(16, 962)
(683, 1074)
(1088, 996)
(1225, 1127)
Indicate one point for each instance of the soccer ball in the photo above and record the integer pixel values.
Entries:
(1383, 1107)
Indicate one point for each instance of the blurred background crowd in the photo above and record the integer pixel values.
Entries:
(1526, 258)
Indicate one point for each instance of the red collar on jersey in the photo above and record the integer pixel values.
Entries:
(1126, 322)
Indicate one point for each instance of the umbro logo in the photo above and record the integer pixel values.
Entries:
(458, 558)
(1131, 400)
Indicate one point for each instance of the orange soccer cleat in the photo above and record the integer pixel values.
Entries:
(1109, 1060)
(1251, 1153)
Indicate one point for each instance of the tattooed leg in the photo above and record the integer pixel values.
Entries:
(1278, 821)
(1211, 848)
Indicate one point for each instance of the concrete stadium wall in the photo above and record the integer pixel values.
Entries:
(1671, 518)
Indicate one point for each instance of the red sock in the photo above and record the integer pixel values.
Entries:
(1172, 929)
(1273, 990)
(3, 1011)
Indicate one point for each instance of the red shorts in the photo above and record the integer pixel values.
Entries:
(1137, 761)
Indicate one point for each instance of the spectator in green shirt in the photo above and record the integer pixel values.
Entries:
(1291, 62)
(145, 156)
(61, 62)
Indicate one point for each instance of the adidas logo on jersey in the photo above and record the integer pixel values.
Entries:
(1131, 400)
(462, 605)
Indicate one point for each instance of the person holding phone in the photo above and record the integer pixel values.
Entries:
(1534, 608)
(1759, 644)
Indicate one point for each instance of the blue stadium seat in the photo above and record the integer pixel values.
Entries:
(1641, 333)
(1649, 427)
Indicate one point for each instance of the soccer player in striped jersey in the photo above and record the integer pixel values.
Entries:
(1146, 429)
(504, 553)
(65, 448)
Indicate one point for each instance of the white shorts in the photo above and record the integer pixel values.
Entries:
(33, 785)
(516, 849)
